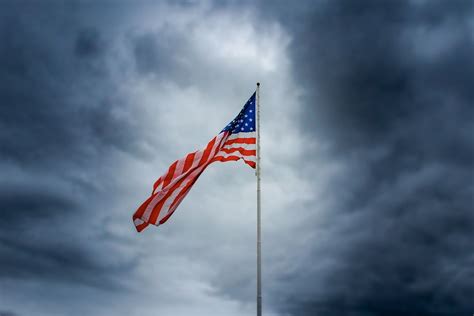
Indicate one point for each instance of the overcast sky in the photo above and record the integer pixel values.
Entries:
(367, 157)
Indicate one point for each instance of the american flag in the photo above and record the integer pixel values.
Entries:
(236, 141)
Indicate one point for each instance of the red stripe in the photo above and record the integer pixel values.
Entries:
(207, 151)
(170, 174)
(241, 141)
(234, 158)
(241, 150)
(252, 164)
(189, 161)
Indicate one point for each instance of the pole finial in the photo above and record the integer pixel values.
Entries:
(258, 83)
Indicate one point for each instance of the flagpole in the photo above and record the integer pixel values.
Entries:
(259, 241)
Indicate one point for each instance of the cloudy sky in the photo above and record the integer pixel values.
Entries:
(367, 157)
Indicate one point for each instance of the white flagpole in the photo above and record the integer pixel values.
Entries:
(259, 241)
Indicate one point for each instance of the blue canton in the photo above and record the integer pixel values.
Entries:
(245, 121)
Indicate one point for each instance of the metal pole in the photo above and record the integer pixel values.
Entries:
(259, 241)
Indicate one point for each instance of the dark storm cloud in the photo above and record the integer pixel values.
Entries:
(21, 205)
(88, 43)
(388, 86)
(162, 54)
(51, 103)
(33, 247)
(57, 121)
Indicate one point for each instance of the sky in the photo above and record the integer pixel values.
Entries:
(367, 125)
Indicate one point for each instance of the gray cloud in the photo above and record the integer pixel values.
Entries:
(387, 89)
(57, 120)
(88, 43)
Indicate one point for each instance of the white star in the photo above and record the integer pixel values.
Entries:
(241, 121)
(242, 129)
(237, 125)
(251, 128)
(246, 124)
(246, 115)
(250, 111)
(250, 120)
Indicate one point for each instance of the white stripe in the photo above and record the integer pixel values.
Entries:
(138, 221)
(239, 145)
(242, 135)
(197, 158)
(180, 165)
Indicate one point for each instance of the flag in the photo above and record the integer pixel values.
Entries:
(236, 141)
